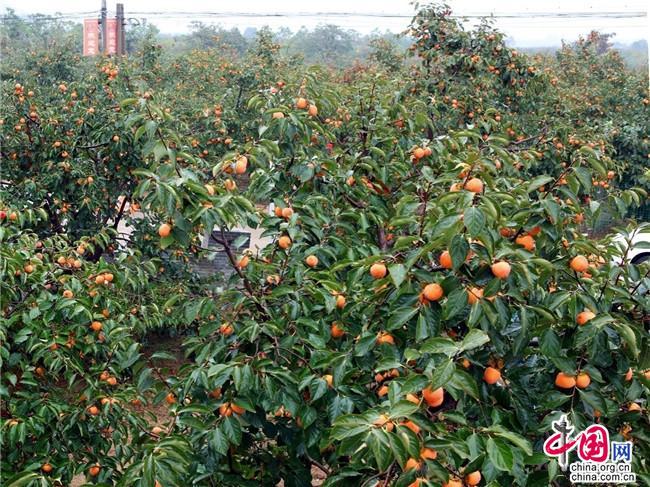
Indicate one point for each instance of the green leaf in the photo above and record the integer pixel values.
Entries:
(458, 250)
(422, 328)
(159, 150)
(403, 408)
(552, 209)
(22, 479)
(440, 345)
(474, 220)
(474, 339)
(232, 430)
(538, 182)
(465, 382)
(442, 374)
(163, 356)
(627, 334)
(500, 454)
(218, 441)
(593, 399)
(550, 344)
(401, 316)
(397, 274)
(456, 302)
(584, 176)
(513, 438)
(380, 446)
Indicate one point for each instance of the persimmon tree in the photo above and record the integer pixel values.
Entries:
(429, 302)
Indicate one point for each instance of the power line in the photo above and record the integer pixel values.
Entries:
(211, 14)
(49, 18)
(177, 14)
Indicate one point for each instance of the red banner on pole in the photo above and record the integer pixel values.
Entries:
(91, 37)
(111, 36)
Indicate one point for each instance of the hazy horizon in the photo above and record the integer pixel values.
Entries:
(526, 23)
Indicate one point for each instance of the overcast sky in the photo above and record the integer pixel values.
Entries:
(393, 15)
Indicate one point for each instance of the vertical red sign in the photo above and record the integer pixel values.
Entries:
(111, 36)
(91, 37)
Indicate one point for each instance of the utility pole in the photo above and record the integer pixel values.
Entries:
(121, 39)
(104, 28)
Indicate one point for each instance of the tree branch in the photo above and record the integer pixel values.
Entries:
(233, 262)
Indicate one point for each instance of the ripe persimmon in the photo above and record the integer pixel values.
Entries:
(433, 292)
(491, 375)
(311, 261)
(565, 381)
(629, 374)
(501, 270)
(230, 185)
(243, 262)
(428, 454)
(241, 165)
(378, 270)
(474, 294)
(412, 398)
(226, 329)
(473, 478)
(583, 380)
(336, 331)
(411, 464)
(526, 241)
(445, 260)
(301, 103)
(585, 316)
(412, 426)
(453, 482)
(433, 397)
(284, 242)
(228, 408)
(475, 185)
(579, 263)
(383, 421)
(237, 409)
(385, 338)
(164, 230)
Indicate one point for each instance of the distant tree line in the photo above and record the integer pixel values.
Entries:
(324, 44)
